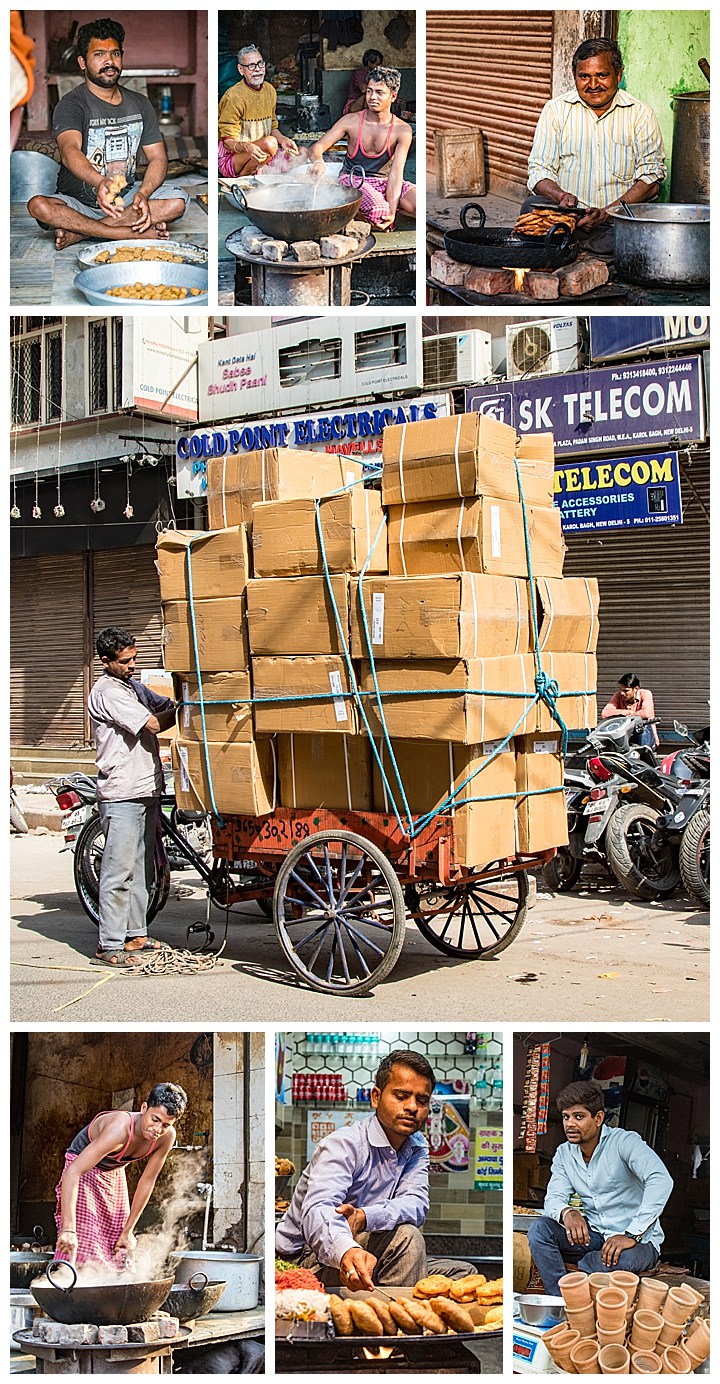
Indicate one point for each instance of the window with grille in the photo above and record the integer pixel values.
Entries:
(310, 361)
(379, 347)
(104, 356)
(37, 371)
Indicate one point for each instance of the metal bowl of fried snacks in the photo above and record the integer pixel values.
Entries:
(149, 282)
(127, 251)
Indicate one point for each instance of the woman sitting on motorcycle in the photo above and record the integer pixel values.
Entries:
(633, 700)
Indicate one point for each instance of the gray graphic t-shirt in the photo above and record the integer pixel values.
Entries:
(111, 136)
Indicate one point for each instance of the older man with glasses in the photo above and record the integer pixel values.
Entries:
(247, 124)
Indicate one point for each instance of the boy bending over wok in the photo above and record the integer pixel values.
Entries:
(93, 1214)
(356, 1213)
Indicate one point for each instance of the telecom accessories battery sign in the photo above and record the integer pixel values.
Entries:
(619, 493)
(623, 408)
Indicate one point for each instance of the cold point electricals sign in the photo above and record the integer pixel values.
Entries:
(622, 408)
(626, 492)
(351, 431)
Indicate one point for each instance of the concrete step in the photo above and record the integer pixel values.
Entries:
(38, 763)
(39, 809)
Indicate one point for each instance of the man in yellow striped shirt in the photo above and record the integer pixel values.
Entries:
(595, 145)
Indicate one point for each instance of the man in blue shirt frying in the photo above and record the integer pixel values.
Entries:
(620, 1182)
(358, 1207)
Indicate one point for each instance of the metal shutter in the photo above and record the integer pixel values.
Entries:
(126, 592)
(655, 604)
(47, 650)
(492, 70)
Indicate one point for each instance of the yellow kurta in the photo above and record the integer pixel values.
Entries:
(247, 114)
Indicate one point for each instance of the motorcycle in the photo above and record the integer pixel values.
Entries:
(592, 796)
(643, 853)
(687, 826)
(694, 854)
(17, 819)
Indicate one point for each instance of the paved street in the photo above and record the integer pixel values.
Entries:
(592, 956)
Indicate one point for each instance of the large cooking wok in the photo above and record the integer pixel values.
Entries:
(104, 1305)
(499, 247)
(301, 211)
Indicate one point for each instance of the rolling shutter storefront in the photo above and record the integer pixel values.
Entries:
(655, 604)
(491, 70)
(58, 606)
(48, 617)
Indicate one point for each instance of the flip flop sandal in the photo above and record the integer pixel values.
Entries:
(116, 960)
(151, 944)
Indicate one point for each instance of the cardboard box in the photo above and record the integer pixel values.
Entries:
(536, 455)
(227, 704)
(294, 615)
(540, 816)
(573, 673)
(160, 682)
(220, 563)
(457, 615)
(484, 831)
(466, 454)
(331, 771)
(285, 537)
(474, 535)
(236, 483)
(325, 676)
(567, 614)
(243, 776)
(221, 628)
(460, 716)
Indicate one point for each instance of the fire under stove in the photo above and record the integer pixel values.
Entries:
(289, 283)
(448, 1354)
(129, 1358)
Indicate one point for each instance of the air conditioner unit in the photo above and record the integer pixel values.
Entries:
(457, 358)
(543, 347)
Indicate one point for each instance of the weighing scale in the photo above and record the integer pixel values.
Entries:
(530, 1355)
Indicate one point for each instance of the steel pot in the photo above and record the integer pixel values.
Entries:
(663, 243)
(301, 211)
(199, 1295)
(104, 1304)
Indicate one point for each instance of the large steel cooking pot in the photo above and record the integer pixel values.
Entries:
(104, 1305)
(690, 172)
(301, 211)
(663, 243)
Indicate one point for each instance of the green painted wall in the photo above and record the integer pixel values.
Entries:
(660, 51)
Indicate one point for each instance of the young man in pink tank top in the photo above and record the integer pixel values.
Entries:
(378, 142)
(93, 1214)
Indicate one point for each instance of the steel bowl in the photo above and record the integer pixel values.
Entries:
(94, 283)
(191, 254)
(537, 1309)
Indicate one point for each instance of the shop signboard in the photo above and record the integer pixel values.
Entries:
(614, 409)
(622, 336)
(322, 1122)
(627, 492)
(488, 1159)
(354, 430)
(160, 364)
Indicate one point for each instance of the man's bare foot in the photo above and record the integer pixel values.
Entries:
(157, 232)
(65, 238)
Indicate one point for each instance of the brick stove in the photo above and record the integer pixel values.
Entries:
(586, 274)
(321, 278)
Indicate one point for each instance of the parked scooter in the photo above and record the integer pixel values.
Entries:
(592, 796)
(17, 819)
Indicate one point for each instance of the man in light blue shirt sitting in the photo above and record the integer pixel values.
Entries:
(620, 1182)
(356, 1213)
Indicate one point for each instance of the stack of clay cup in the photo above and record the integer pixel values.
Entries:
(620, 1324)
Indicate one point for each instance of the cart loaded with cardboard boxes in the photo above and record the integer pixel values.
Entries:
(376, 687)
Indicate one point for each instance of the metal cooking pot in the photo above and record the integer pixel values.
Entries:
(663, 243)
(537, 1309)
(301, 211)
(26, 1265)
(194, 1298)
(104, 1305)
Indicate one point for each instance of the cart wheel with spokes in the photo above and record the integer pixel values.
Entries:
(339, 912)
(475, 918)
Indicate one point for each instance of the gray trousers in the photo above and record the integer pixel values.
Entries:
(600, 241)
(126, 872)
(401, 1256)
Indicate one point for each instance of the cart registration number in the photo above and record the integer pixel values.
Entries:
(276, 831)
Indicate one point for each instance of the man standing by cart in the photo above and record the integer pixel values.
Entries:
(620, 1184)
(595, 145)
(127, 718)
(94, 1217)
(356, 1215)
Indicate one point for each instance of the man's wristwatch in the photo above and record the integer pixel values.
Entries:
(629, 1236)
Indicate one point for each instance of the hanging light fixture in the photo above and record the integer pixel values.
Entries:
(97, 504)
(14, 508)
(36, 510)
(128, 510)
